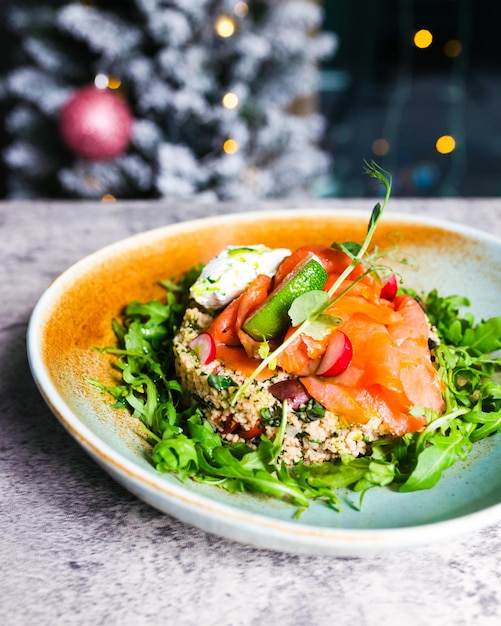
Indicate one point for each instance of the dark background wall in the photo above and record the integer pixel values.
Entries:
(379, 85)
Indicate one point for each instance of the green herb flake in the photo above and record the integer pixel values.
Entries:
(220, 382)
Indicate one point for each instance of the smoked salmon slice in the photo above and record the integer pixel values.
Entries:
(226, 329)
(334, 261)
(303, 355)
(223, 328)
(391, 369)
(255, 294)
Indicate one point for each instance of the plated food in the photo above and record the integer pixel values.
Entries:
(349, 379)
(293, 373)
(70, 326)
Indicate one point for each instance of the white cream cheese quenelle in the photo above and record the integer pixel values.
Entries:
(228, 274)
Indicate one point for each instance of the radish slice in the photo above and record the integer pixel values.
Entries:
(389, 289)
(338, 355)
(204, 347)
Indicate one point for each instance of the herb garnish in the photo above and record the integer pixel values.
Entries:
(314, 303)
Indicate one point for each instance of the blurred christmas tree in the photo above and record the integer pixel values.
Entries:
(152, 98)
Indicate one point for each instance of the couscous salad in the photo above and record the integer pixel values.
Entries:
(295, 373)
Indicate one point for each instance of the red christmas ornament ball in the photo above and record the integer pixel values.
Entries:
(96, 124)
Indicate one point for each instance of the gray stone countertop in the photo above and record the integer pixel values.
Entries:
(77, 548)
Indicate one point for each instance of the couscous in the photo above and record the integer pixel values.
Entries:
(306, 438)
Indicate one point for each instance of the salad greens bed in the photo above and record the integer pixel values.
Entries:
(184, 442)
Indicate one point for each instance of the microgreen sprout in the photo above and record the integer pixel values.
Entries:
(375, 171)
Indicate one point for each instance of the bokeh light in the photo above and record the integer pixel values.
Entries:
(423, 38)
(241, 9)
(230, 146)
(101, 81)
(424, 175)
(225, 26)
(380, 147)
(230, 100)
(445, 144)
(453, 48)
(114, 82)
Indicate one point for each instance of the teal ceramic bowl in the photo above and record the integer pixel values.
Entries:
(74, 315)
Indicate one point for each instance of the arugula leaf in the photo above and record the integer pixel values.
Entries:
(472, 396)
(488, 423)
(176, 454)
(349, 472)
(249, 472)
(485, 337)
(202, 432)
(443, 449)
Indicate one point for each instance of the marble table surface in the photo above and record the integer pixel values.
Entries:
(76, 548)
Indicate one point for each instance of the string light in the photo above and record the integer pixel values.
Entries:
(423, 38)
(445, 144)
(230, 146)
(114, 82)
(230, 100)
(225, 26)
(444, 168)
(103, 81)
(241, 9)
